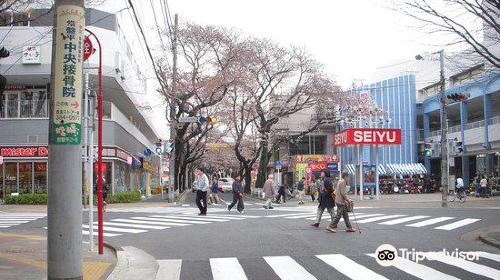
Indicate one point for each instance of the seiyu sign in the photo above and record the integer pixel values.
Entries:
(367, 136)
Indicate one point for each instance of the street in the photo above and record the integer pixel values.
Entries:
(280, 243)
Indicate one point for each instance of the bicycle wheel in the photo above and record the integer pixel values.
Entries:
(462, 197)
(451, 197)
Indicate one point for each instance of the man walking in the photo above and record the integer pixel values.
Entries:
(341, 199)
(202, 185)
(312, 190)
(269, 191)
(325, 200)
(300, 189)
(215, 191)
(237, 195)
(281, 193)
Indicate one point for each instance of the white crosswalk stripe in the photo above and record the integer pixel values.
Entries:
(288, 269)
(192, 218)
(171, 221)
(8, 220)
(470, 266)
(403, 220)
(385, 219)
(458, 224)
(365, 267)
(430, 222)
(350, 268)
(116, 229)
(227, 269)
(419, 270)
(133, 225)
(375, 219)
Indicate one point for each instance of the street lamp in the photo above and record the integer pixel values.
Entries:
(444, 129)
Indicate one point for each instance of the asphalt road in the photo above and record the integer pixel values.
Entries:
(280, 244)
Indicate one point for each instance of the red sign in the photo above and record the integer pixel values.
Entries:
(104, 167)
(318, 166)
(24, 152)
(87, 48)
(367, 136)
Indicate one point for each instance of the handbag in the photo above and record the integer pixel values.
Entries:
(334, 195)
(349, 205)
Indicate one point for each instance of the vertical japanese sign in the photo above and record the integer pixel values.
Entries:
(66, 129)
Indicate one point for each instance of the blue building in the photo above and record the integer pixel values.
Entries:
(397, 98)
(473, 125)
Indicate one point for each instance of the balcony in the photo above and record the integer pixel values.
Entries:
(24, 109)
(471, 125)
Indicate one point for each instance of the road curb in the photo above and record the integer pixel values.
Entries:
(121, 263)
(488, 240)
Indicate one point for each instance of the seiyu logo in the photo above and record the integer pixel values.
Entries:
(386, 255)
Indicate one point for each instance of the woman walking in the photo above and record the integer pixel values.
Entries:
(326, 201)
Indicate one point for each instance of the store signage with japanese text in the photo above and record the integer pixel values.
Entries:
(318, 166)
(316, 158)
(31, 55)
(66, 129)
(367, 136)
(24, 152)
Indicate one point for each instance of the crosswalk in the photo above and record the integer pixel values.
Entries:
(336, 266)
(144, 224)
(416, 221)
(8, 220)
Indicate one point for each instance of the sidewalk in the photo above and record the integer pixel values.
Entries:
(153, 201)
(428, 200)
(25, 257)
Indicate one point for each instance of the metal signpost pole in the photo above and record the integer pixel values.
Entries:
(90, 173)
(64, 209)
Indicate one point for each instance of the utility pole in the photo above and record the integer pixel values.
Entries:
(444, 133)
(173, 120)
(64, 235)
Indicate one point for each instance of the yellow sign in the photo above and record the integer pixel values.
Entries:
(68, 65)
(149, 167)
(300, 171)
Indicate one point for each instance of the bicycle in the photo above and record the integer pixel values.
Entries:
(460, 194)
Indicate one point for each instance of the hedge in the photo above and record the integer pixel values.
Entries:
(124, 197)
(27, 198)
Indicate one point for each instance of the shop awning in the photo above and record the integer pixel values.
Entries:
(406, 168)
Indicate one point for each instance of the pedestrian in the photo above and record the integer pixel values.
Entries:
(484, 186)
(281, 193)
(215, 191)
(341, 200)
(326, 200)
(318, 187)
(269, 191)
(300, 189)
(237, 195)
(202, 185)
(312, 190)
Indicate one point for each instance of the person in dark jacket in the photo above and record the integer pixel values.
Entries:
(326, 201)
(237, 195)
(281, 193)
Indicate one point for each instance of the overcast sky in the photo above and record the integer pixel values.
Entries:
(352, 38)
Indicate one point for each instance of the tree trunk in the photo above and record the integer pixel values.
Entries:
(264, 160)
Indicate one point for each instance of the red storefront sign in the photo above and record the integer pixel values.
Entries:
(367, 136)
(318, 166)
(24, 152)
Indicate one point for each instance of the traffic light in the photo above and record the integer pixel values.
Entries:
(459, 148)
(207, 120)
(168, 147)
(159, 146)
(428, 149)
(457, 97)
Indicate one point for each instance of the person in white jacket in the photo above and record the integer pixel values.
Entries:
(460, 185)
(269, 191)
(202, 185)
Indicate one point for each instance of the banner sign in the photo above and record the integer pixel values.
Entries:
(367, 136)
(318, 166)
(24, 152)
(316, 158)
(66, 129)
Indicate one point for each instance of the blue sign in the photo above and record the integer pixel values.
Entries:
(278, 164)
(147, 152)
(333, 166)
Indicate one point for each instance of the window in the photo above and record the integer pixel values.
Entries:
(309, 145)
(25, 177)
(24, 103)
(40, 177)
(10, 178)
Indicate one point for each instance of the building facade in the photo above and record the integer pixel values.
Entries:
(24, 108)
